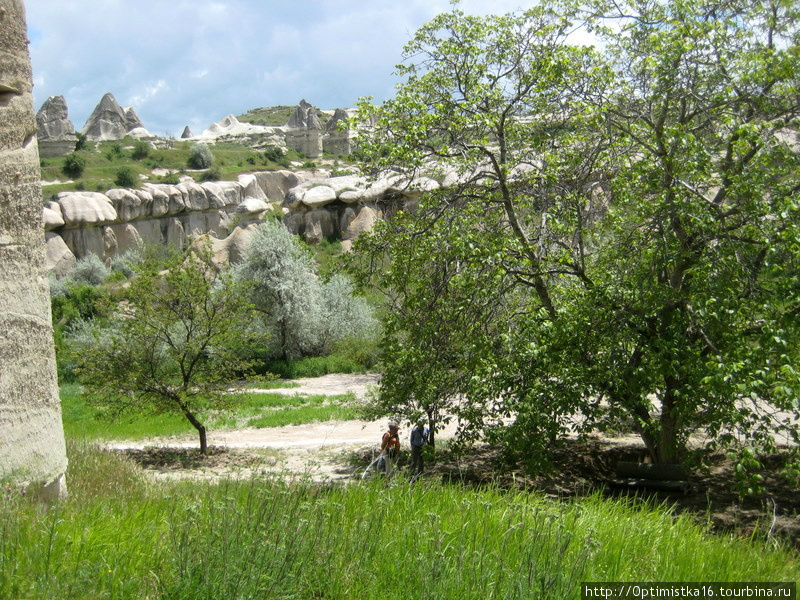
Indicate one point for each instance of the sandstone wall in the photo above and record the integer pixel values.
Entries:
(31, 435)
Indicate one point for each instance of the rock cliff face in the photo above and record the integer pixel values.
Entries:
(54, 130)
(31, 435)
(109, 121)
(79, 223)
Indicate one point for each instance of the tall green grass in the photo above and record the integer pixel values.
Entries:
(120, 536)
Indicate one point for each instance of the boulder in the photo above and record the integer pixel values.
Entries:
(362, 221)
(250, 187)
(253, 206)
(84, 209)
(127, 204)
(276, 184)
(51, 216)
(318, 226)
(59, 258)
(194, 196)
(319, 196)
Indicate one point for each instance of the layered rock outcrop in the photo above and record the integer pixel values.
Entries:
(109, 121)
(304, 132)
(54, 130)
(32, 449)
(79, 223)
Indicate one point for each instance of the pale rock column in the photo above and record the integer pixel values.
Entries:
(31, 434)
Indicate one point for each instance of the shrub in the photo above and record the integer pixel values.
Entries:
(114, 151)
(126, 177)
(89, 270)
(274, 153)
(81, 143)
(126, 262)
(141, 150)
(200, 157)
(309, 164)
(74, 164)
(212, 174)
(171, 178)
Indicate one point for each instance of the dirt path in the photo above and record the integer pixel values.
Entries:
(315, 450)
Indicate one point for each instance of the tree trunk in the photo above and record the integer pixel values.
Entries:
(431, 428)
(201, 430)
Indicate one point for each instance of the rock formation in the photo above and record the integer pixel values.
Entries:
(304, 132)
(32, 447)
(109, 121)
(336, 141)
(54, 130)
(187, 133)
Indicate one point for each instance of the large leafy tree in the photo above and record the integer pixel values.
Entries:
(173, 345)
(618, 236)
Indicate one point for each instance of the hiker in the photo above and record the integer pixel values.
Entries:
(390, 447)
(419, 437)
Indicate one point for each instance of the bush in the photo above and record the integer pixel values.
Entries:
(171, 178)
(274, 153)
(200, 157)
(74, 164)
(89, 270)
(126, 177)
(141, 150)
(114, 151)
(126, 262)
(212, 174)
(81, 143)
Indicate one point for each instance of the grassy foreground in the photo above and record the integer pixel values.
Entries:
(120, 536)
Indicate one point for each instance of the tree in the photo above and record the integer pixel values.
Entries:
(200, 157)
(620, 240)
(309, 316)
(173, 344)
(74, 165)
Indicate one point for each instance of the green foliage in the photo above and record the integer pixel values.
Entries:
(212, 174)
(120, 535)
(274, 154)
(126, 177)
(171, 178)
(141, 150)
(622, 243)
(114, 151)
(74, 164)
(173, 346)
(82, 142)
(200, 157)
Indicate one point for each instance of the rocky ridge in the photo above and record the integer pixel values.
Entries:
(78, 223)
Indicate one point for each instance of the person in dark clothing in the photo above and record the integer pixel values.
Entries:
(419, 437)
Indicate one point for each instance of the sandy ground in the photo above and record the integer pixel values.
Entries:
(316, 451)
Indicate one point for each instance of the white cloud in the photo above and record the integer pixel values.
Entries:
(203, 59)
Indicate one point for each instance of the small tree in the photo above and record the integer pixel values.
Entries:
(141, 150)
(173, 345)
(74, 164)
(126, 177)
(200, 157)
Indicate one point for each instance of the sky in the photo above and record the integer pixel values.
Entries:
(192, 62)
